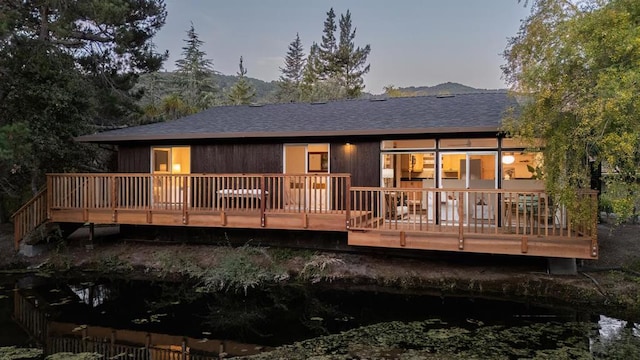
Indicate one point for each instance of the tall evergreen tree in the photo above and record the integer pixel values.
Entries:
(350, 62)
(328, 47)
(292, 73)
(66, 66)
(310, 73)
(109, 40)
(242, 92)
(195, 74)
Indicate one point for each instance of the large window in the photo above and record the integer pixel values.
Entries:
(171, 160)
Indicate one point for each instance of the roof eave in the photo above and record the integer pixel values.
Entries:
(98, 138)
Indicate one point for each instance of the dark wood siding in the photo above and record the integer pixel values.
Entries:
(360, 159)
(134, 159)
(236, 158)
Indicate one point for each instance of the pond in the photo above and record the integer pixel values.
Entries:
(168, 320)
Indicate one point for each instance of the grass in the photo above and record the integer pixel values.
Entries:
(245, 267)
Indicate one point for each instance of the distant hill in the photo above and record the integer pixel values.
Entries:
(445, 88)
(265, 91)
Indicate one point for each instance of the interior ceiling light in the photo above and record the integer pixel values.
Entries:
(508, 159)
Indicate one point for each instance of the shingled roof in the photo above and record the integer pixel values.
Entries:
(480, 112)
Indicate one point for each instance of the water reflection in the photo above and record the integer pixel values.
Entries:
(146, 320)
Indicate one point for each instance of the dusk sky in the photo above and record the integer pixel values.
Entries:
(413, 42)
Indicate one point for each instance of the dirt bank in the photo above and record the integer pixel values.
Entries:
(611, 283)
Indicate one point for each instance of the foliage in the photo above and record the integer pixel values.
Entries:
(242, 92)
(237, 269)
(576, 64)
(15, 353)
(110, 42)
(327, 48)
(195, 74)
(433, 339)
(334, 68)
(45, 104)
(66, 68)
(350, 61)
(317, 268)
(292, 72)
(75, 356)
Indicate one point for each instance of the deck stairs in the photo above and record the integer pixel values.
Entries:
(31, 222)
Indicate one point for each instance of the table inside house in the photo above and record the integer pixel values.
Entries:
(241, 198)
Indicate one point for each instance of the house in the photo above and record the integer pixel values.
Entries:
(431, 172)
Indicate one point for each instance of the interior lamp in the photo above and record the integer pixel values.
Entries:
(508, 159)
(387, 174)
(176, 168)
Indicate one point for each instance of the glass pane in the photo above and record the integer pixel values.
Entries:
(521, 165)
(181, 160)
(409, 144)
(519, 143)
(482, 171)
(468, 143)
(161, 160)
(388, 172)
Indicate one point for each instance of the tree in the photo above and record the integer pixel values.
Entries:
(292, 73)
(195, 74)
(392, 91)
(66, 66)
(327, 48)
(47, 103)
(109, 40)
(350, 62)
(242, 92)
(576, 65)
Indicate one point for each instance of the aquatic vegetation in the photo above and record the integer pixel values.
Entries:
(72, 356)
(15, 353)
(431, 340)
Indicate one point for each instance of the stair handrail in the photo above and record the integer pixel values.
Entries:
(20, 228)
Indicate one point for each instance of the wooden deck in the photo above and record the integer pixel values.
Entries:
(482, 221)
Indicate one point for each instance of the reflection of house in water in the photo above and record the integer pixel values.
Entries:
(32, 312)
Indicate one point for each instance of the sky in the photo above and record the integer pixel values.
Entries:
(413, 42)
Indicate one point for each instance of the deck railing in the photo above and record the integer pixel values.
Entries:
(283, 193)
(31, 215)
(491, 211)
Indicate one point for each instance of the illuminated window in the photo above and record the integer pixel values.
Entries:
(171, 160)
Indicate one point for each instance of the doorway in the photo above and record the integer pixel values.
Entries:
(166, 162)
(307, 184)
(473, 171)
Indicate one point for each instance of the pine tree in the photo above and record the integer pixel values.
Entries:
(242, 92)
(195, 74)
(310, 73)
(292, 73)
(328, 47)
(349, 61)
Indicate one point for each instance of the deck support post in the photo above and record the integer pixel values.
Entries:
(403, 239)
(92, 233)
(223, 218)
(524, 244)
(562, 266)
